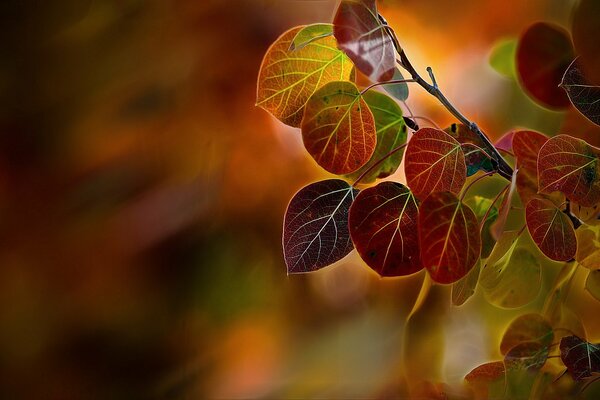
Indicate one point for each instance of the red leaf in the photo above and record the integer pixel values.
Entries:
(543, 54)
(505, 142)
(315, 228)
(551, 230)
(527, 145)
(476, 157)
(364, 38)
(338, 128)
(448, 236)
(383, 227)
(571, 166)
(581, 358)
(434, 162)
(488, 372)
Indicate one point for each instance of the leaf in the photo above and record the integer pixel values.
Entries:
(543, 54)
(570, 165)
(505, 142)
(338, 128)
(361, 34)
(588, 246)
(587, 215)
(497, 227)
(391, 133)
(584, 95)
(527, 145)
(487, 379)
(502, 57)
(448, 237)
(383, 227)
(532, 328)
(526, 356)
(511, 276)
(434, 162)
(315, 228)
(592, 283)
(476, 157)
(581, 358)
(309, 34)
(480, 206)
(551, 230)
(465, 287)
(398, 91)
(287, 79)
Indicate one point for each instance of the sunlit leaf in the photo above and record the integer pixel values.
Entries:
(338, 128)
(448, 236)
(476, 157)
(391, 133)
(526, 356)
(397, 90)
(364, 38)
(586, 31)
(551, 229)
(497, 227)
(480, 206)
(434, 162)
(584, 96)
(592, 283)
(505, 142)
(527, 145)
(487, 379)
(287, 79)
(511, 276)
(465, 287)
(571, 166)
(502, 57)
(527, 328)
(581, 358)
(309, 34)
(587, 215)
(315, 228)
(543, 55)
(383, 227)
(588, 246)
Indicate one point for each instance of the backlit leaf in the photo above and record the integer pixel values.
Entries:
(526, 356)
(315, 228)
(592, 283)
(572, 166)
(581, 358)
(309, 34)
(391, 133)
(383, 227)
(511, 276)
(487, 379)
(448, 237)
(434, 162)
(527, 328)
(465, 287)
(551, 229)
(588, 246)
(476, 157)
(543, 55)
(502, 57)
(397, 90)
(338, 128)
(364, 38)
(527, 145)
(497, 227)
(480, 206)
(287, 79)
(505, 142)
(584, 96)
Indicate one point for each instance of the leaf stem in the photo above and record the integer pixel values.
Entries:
(504, 169)
(382, 159)
(492, 205)
(392, 82)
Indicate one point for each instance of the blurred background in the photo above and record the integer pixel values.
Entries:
(142, 196)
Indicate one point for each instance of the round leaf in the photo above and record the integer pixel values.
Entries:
(434, 162)
(287, 79)
(309, 34)
(465, 287)
(383, 227)
(502, 57)
(527, 145)
(476, 158)
(551, 229)
(584, 96)
(448, 237)
(397, 90)
(527, 328)
(581, 358)
(338, 128)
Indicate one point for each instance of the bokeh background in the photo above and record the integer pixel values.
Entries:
(142, 196)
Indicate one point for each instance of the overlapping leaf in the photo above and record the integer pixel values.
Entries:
(497, 227)
(551, 229)
(543, 54)
(391, 133)
(315, 229)
(476, 157)
(584, 95)
(309, 34)
(383, 227)
(397, 90)
(362, 35)
(572, 166)
(287, 79)
(465, 287)
(526, 356)
(502, 57)
(480, 206)
(527, 145)
(581, 358)
(527, 328)
(488, 379)
(434, 162)
(338, 128)
(592, 283)
(448, 237)
(588, 246)
(505, 142)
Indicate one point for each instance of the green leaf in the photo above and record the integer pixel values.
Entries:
(592, 283)
(391, 133)
(480, 206)
(588, 246)
(309, 34)
(502, 57)
(398, 91)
